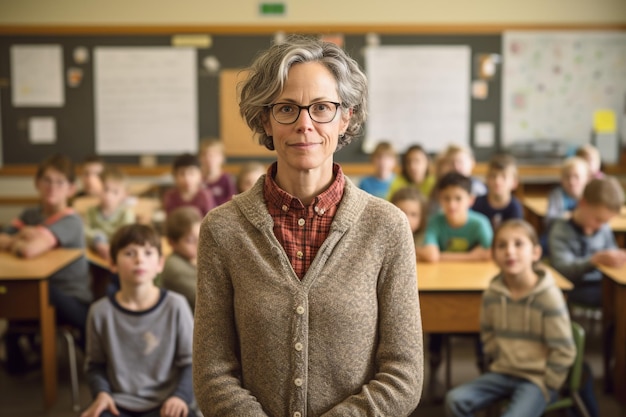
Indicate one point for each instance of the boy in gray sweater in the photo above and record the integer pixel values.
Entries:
(139, 339)
(580, 244)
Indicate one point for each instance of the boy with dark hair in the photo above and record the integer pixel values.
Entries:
(580, 244)
(91, 185)
(457, 233)
(179, 273)
(499, 204)
(188, 190)
(139, 339)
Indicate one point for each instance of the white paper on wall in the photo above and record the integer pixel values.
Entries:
(145, 100)
(418, 94)
(37, 76)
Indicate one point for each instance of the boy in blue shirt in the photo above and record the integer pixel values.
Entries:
(384, 159)
(499, 204)
(456, 233)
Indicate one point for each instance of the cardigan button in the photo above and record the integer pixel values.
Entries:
(300, 310)
(297, 414)
(298, 346)
(297, 382)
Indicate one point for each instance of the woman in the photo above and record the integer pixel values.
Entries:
(307, 298)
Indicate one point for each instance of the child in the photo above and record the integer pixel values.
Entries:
(51, 225)
(414, 173)
(248, 175)
(384, 160)
(413, 204)
(525, 328)
(591, 154)
(461, 160)
(221, 184)
(585, 241)
(563, 199)
(93, 166)
(188, 190)
(139, 339)
(179, 273)
(499, 204)
(456, 233)
(103, 220)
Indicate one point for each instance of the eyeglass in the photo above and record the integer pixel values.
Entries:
(320, 112)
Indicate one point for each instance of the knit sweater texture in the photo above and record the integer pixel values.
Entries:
(346, 340)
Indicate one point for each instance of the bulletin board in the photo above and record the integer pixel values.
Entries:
(554, 81)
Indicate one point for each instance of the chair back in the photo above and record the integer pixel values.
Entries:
(576, 371)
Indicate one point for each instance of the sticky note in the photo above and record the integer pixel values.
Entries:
(604, 121)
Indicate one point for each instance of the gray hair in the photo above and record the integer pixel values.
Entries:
(269, 71)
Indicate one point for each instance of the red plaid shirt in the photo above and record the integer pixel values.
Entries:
(300, 229)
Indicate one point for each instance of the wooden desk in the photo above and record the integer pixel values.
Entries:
(614, 330)
(24, 295)
(451, 294)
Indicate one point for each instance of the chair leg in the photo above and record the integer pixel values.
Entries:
(580, 405)
(448, 347)
(71, 353)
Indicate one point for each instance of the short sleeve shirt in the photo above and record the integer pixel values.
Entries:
(497, 215)
(475, 232)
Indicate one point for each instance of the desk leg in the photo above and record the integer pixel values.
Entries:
(48, 345)
(619, 345)
(608, 329)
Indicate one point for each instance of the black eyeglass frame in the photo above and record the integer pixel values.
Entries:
(300, 108)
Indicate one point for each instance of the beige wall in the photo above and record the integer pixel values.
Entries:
(319, 12)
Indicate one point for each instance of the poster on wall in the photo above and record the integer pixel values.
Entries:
(418, 94)
(37, 76)
(554, 82)
(145, 100)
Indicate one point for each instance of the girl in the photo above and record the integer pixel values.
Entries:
(415, 172)
(525, 328)
(413, 204)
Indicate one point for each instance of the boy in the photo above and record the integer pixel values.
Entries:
(90, 177)
(461, 160)
(384, 159)
(563, 199)
(579, 244)
(40, 229)
(499, 204)
(221, 184)
(139, 339)
(188, 190)
(456, 233)
(103, 220)
(179, 274)
(591, 154)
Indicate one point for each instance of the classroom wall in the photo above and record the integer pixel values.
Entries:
(203, 12)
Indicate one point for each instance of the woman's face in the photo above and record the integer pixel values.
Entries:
(306, 145)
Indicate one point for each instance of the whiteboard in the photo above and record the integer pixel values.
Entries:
(418, 94)
(145, 100)
(554, 81)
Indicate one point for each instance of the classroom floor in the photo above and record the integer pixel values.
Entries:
(22, 396)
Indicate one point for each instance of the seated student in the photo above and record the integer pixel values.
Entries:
(384, 159)
(221, 184)
(461, 159)
(456, 233)
(591, 154)
(563, 199)
(581, 243)
(415, 207)
(415, 172)
(188, 190)
(182, 229)
(138, 357)
(110, 214)
(525, 329)
(91, 185)
(499, 204)
(248, 175)
(53, 224)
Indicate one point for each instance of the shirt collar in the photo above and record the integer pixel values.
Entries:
(284, 201)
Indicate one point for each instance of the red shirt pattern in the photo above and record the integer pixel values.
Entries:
(300, 229)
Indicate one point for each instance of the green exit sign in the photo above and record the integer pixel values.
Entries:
(272, 9)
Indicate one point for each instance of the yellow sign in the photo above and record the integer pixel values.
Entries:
(604, 121)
